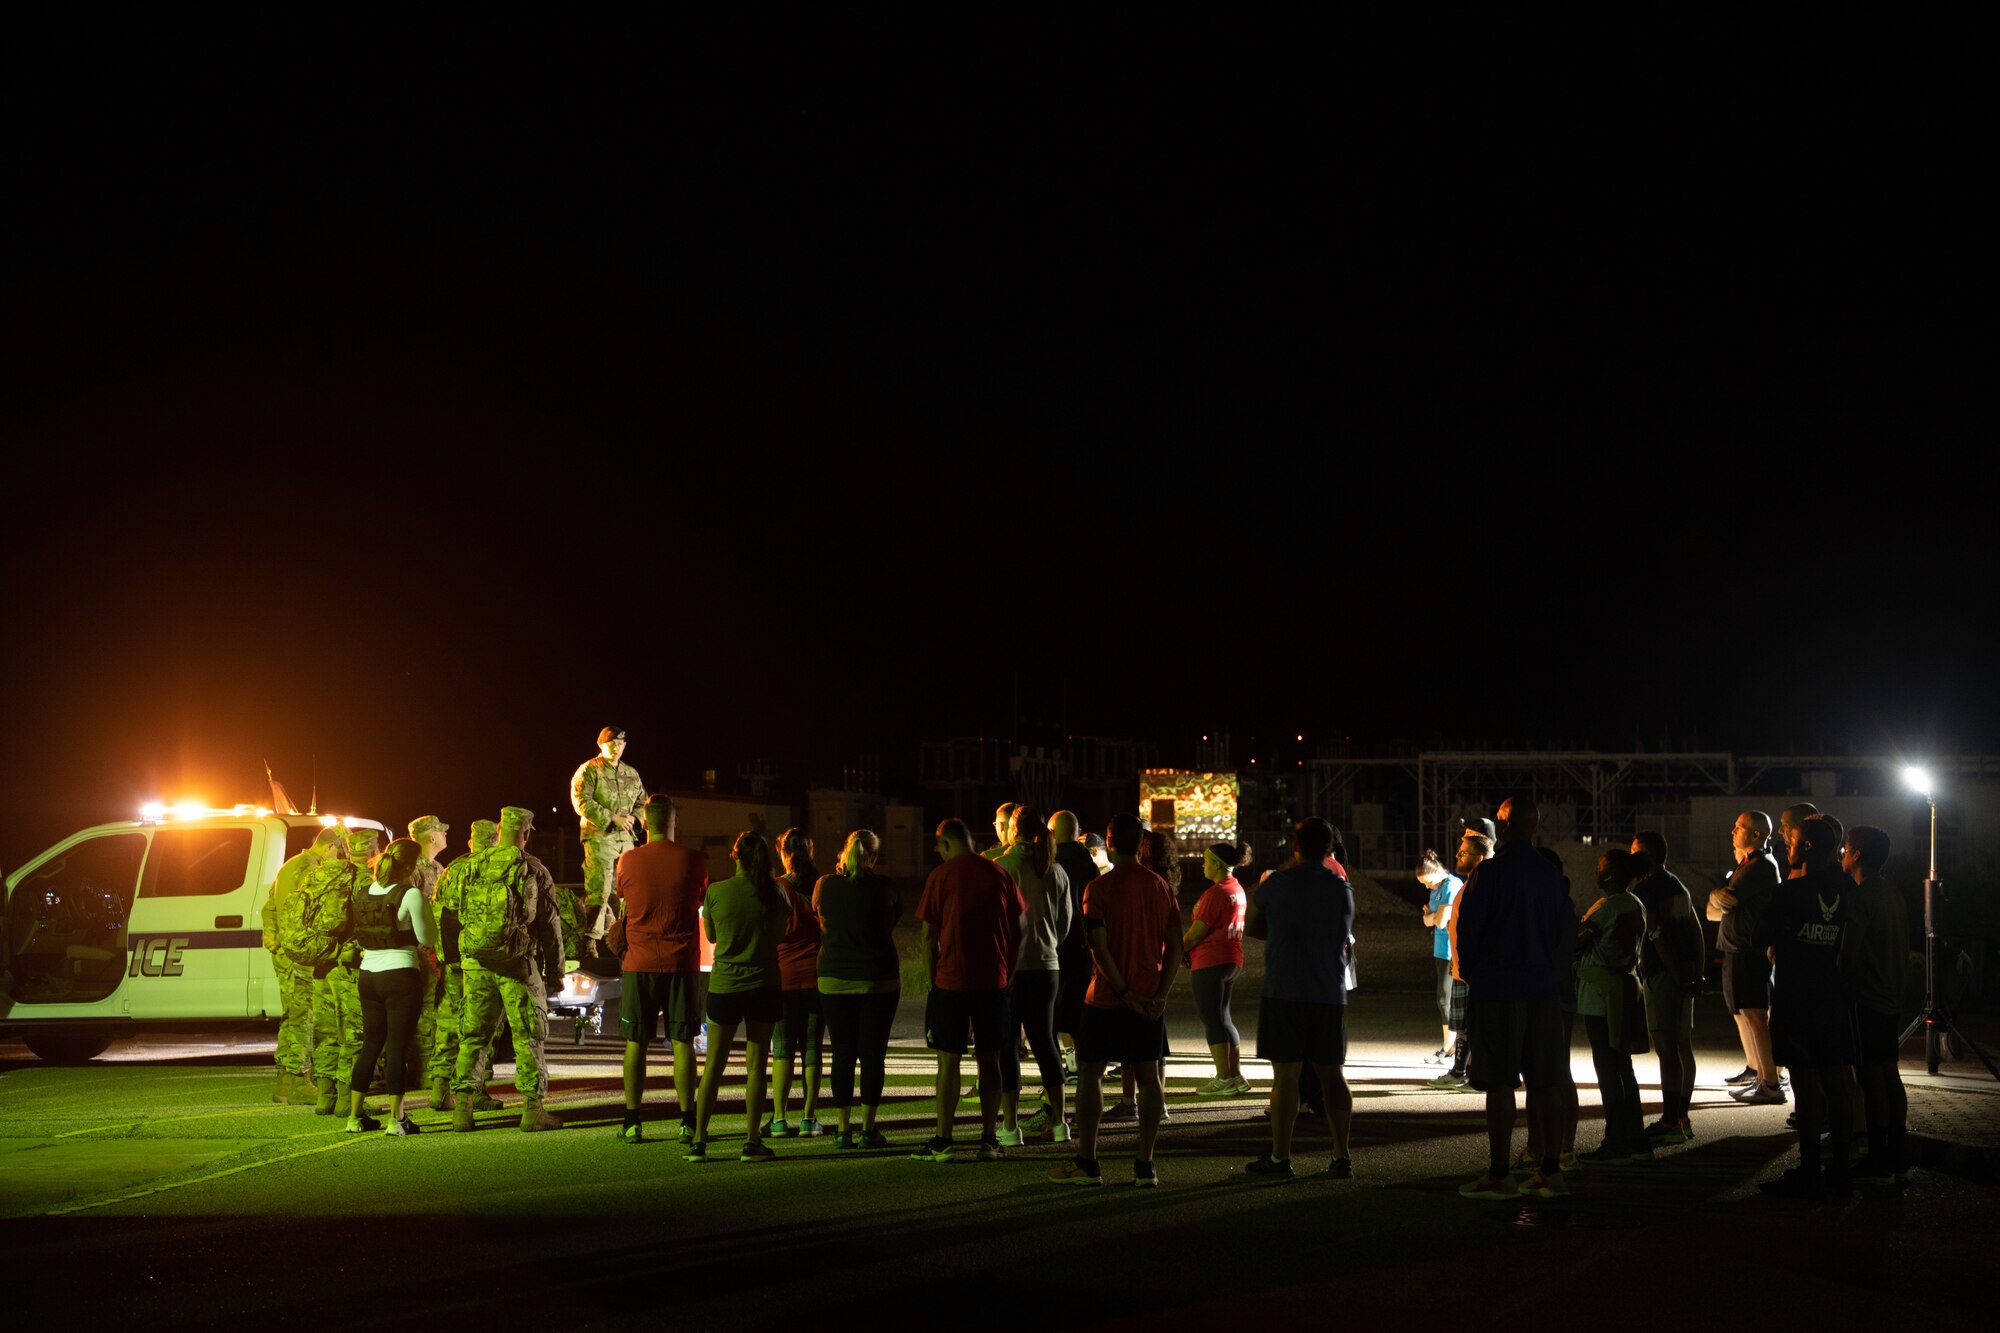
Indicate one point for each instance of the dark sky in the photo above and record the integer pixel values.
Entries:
(412, 421)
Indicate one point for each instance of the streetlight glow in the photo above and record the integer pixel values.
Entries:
(1919, 780)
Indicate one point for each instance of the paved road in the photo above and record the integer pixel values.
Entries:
(161, 1185)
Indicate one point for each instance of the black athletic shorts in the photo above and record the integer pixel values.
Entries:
(766, 1004)
(949, 1014)
(1118, 1037)
(1746, 980)
(1294, 1031)
(646, 997)
(1878, 1033)
(1512, 1039)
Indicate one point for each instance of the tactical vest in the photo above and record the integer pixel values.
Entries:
(375, 924)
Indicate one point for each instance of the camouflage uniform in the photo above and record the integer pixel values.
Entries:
(515, 988)
(337, 995)
(450, 1004)
(600, 792)
(294, 1053)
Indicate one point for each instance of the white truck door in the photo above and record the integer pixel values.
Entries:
(191, 933)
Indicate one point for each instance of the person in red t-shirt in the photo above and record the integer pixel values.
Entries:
(971, 917)
(662, 885)
(1214, 944)
(1134, 927)
(802, 1031)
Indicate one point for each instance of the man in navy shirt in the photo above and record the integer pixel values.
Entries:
(1514, 924)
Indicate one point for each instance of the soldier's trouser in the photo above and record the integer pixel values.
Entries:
(600, 863)
(426, 1034)
(445, 1046)
(336, 1022)
(516, 991)
(295, 1031)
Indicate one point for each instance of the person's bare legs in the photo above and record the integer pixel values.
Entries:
(756, 1041)
(1339, 1106)
(1152, 1106)
(1756, 1025)
(635, 1075)
(1089, 1107)
(1284, 1107)
(1219, 1053)
(947, 1092)
(781, 1076)
(684, 1077)
(1500, 1126)
(720, 1038)
(1236, 1062)
(989, 1090)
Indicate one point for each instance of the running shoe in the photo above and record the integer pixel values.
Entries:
(686, 1134)
(933, 1150)
(1217, 1087)
(1057, 1132)
(870, 1139)
(1490, 1187)
(1242, 1084)
(1340, 1168)
(843, 1140)
(1603, 1156)
(1010, 1138)
(811, 1127)
(1748, 1075)
(1114, 1071)
(1526, 1163)
(1267, 1165)
(755, 1151)
(1568, 1162)
(1540, 1186)
(1037, 1122)
(778, 1129)
(1144, 1176)
(1077, 1171)
(1447, 1082)
(363, 1124)
(1440, 1056)
(697, 1151)
(1664, 1130)
(402, 1127)
(1122, 1111)
(991, 1151)
(631, 1133)
(1760, 1094)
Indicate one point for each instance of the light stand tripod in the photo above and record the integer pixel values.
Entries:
(1935, 1019)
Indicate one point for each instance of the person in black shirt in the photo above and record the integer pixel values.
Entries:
(1670, 967)
(1073, 954)
(1737, 908)
(1812, 1014)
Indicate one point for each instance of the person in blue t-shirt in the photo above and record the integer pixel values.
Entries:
(1442, 889)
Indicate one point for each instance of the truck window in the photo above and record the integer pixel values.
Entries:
(66, 921)
(299, 837)
(196, 863)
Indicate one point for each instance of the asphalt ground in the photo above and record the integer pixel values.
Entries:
(160, 1184)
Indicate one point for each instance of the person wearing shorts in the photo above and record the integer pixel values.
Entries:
(1134, 929)
(1304, 914)
(745, 915)
(661, 885)
(970, 920)
(800, 1035)
(1515, 926)
(1746, 973)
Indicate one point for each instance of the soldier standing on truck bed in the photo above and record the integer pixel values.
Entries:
(606, 793)
(510, 946)
(295, 1034)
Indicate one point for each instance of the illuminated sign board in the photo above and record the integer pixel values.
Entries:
(1193, 805)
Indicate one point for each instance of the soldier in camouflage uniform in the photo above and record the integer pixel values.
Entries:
(451, 1007)
(606, 794)
(294, 1053)
(515, 982)
(429, 833)
(337, 997)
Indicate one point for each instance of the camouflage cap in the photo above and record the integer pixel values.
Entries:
(424, 825)
(361, 841)
(485, 833)
(514, 818)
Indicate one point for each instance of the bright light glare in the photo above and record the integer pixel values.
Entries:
(152, 810)
(329, 820)
(1919, 780)
(189, 810)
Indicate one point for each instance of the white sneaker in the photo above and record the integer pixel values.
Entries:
(1008, 1138)
(1223, 1086)
(1760, 1094)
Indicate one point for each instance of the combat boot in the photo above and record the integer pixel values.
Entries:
(323, 1105)
(535, 1118)
(441, 1094)
(283, 1091)
(461, 1115)
(302, 1091)
(486, 1101)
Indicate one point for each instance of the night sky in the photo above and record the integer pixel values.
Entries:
(404, 423)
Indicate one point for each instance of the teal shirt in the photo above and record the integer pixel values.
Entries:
(746, 936)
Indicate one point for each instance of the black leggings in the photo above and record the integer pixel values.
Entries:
(1617, 1087)
(859, 1026)
(1033, 1003)
(1212, 988)
(390, 1005)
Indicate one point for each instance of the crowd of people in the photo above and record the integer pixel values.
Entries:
(1061, 948)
